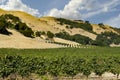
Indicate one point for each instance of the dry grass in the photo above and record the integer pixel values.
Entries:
(17, 40)
(59, 40)
(47, 24)
(99, 30)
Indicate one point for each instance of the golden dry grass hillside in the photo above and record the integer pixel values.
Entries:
(99, 30)
(17, 40)
(52, 24)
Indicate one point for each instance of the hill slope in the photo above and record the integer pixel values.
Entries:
(67, 31)
(17, 40)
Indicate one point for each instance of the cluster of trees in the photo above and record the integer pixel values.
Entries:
(38, 33)
(86, 26)
(77, 38)
(58, 66)
(102, 25)
(10, 17)
(48, 33)
(13, 22)
(116, 29)
(103, 39)
(24, 29)
(107, 38)
(3, 26)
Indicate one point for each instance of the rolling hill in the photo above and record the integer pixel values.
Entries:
(55, 30)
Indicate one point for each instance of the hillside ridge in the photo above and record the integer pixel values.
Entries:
(78, 31)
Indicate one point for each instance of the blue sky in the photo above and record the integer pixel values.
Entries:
(95, 11)
(44, 5)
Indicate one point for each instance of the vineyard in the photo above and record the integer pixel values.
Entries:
(57, 63)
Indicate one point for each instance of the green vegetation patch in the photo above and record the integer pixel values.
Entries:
(51, 53)
(77, 38)
(103, 39)
(86, 26)
(116, 29)
(13, 22)
(107, 38)
(59, 62)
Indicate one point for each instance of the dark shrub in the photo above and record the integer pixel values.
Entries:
(50, 34)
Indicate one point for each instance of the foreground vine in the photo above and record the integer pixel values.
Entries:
(58, 66)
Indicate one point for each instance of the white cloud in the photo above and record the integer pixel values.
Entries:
(77, 9)
(115, 21)
(101, 8)
(18, 5)
(71, 10)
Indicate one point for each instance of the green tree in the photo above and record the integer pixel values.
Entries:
(50, 34)
(37, 33)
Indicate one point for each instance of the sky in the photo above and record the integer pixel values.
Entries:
(95, 11)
